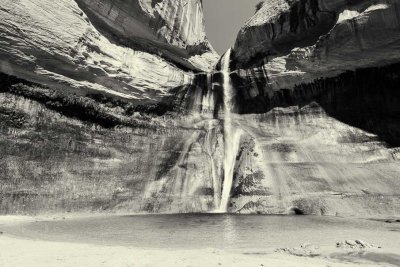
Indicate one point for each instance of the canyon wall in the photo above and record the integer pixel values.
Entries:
(306, 40)
(330, 147)
(119, 106)
(69, 153)
(172, 29)
(58, 45)
(96, 102)
(322, 77)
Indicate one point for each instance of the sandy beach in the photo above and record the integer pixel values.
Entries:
(26, 251)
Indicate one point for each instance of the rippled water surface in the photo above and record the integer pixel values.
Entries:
(191, 231)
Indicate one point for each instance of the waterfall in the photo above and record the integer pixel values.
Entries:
(231, 135)
(208, 100)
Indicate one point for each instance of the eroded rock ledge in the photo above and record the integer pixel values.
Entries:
(293, 42)
(171, 29)
(58, 45)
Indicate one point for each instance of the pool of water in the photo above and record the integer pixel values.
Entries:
(193, 231)
(355, 257)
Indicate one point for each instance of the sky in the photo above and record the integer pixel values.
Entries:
(224, 18)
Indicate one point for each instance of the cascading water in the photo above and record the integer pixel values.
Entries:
(231, 135)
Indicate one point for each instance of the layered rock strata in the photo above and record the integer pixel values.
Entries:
(299, 41)
(330, 147)
(69, 153)
(171, 29)
(320, 74)
(104, 106)
(56, 44)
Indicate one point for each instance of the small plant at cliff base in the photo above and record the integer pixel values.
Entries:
(12, 118)
(251, 185)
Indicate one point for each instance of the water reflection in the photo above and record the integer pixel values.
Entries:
(190, 231)
(230, 235)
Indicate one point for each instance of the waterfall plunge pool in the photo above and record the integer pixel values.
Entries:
(219, 231)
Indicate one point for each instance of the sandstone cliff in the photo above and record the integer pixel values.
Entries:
(74, 74)
(56, 44)
(104, 106)
(322, 75)
(293, 42)
(172, 29)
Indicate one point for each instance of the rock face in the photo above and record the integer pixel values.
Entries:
(57, 45)
(112, 106)
(320, 74)
(303, 161)
(299, 42)
(68, 153)
(172, 29)
(100, 83)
